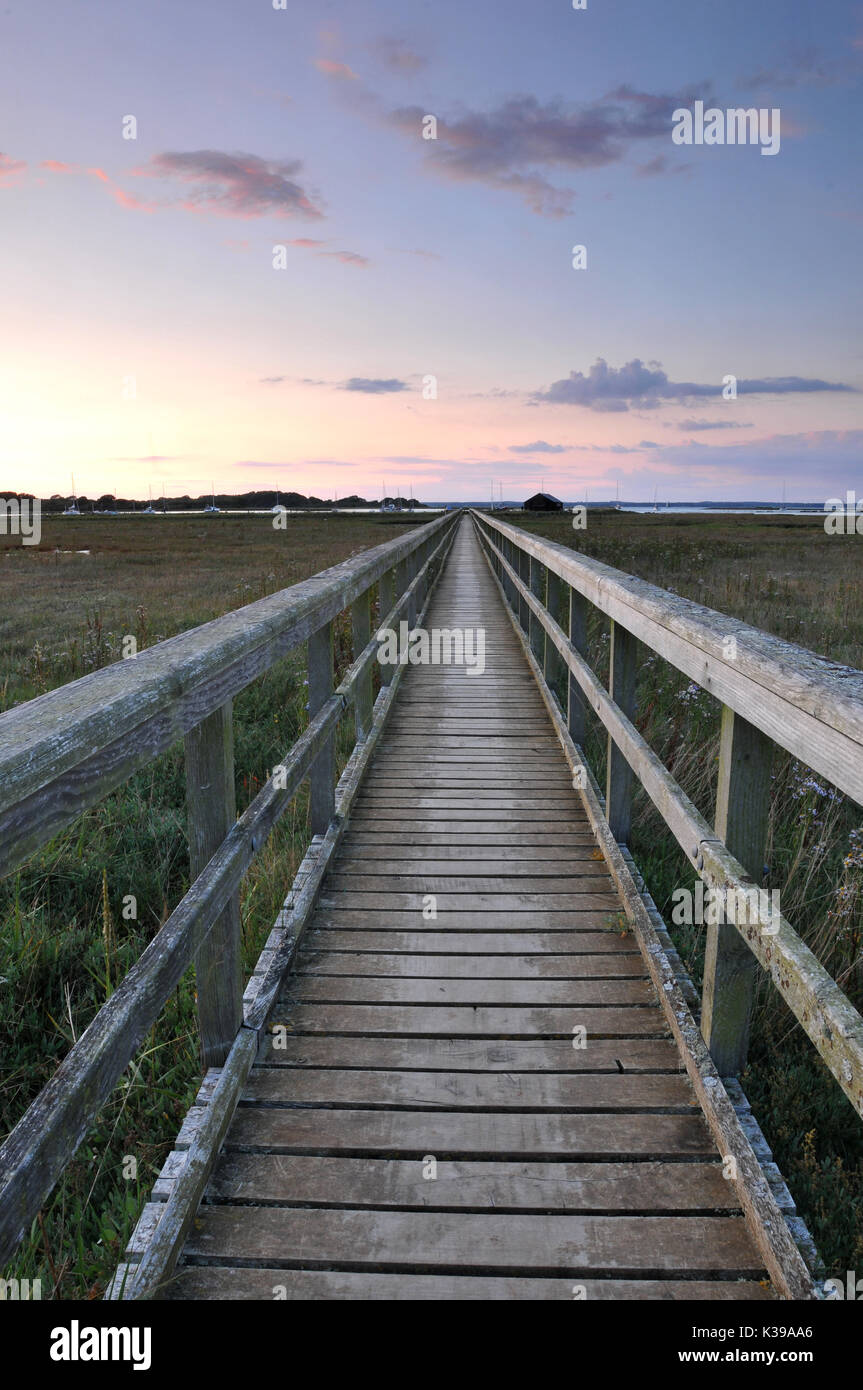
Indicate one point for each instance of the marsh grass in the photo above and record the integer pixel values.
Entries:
(66, 939)
(784, 575)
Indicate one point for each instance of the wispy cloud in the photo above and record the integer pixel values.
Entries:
(331, 68)
(234, 185)
(10, 168)
(539, 446)
(398, 57)
(698, 426)
(375, 386)
(803, 65)
(645, 386)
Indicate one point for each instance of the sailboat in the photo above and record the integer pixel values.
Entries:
(149, 510)
(655, 507)
(617, 506)
(72, 509)
(212, 507)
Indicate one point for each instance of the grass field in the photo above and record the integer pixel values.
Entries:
(786, 576)
(64, 943)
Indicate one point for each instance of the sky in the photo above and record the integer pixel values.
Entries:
(329, 248)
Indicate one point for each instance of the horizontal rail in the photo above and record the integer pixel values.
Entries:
(783, 1260)
(806, 704)
(51, 1130)
(826, 1014)
(65, 751)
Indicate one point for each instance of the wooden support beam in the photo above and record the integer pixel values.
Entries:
(212, 812)
(361, 627)
(387, 595)
(536, 629)
(322, 776)
(576, 718)
(554, 670)
(619, 783)
(730, 968)
(523, 561)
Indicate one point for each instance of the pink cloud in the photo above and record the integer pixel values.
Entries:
(333, 69)
(99, 174)
(128, 200)
(10, 167)
(234, 185)
(57, 166)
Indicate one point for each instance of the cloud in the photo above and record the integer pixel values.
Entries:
(803, 65)
(395, 55)
(697, 426)
(375, 386)
(348, 257)
(824, 460)
(272, 380)
(10, 168)
(56, 166)
(235, 185)
(539, 446)
(645, 386)
(333, 69)
(518, 144)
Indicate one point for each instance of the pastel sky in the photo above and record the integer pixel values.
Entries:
(427, 327)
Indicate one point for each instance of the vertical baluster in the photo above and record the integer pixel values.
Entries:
(536, 629)
(212, 811)
(554, 667)
(623, 661)
(577, 711)
(322, 775)
(387, 593)
(361, 629)
(730, 968)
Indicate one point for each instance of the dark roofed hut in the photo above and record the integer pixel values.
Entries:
(543, 502)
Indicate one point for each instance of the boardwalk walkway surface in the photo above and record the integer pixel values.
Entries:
(419, 1123)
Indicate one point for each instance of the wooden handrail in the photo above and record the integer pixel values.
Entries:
(806, 704)
(195, 675)
(63, 752)
(826, 1014)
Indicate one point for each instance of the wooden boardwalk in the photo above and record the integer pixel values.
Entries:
(419, 1123)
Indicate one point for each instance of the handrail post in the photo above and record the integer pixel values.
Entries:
(523, 568)
(730, 968)
(361, 628)
(386, 599)
(322, 788)
(554, 669)
(211, 812)
(576, 714)
(619, 783)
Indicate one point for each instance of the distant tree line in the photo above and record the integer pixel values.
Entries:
(254, 501)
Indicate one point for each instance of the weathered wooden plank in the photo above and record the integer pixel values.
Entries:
(530, 946)
(557, 919)
(466, 1021)
(624, 1245)
(212, 812)
(338, 989)
(216, 1282)
(472, 902)
(451, 1091)
(586, 880)
(300, 1179)
(544, 966)
(530, 1053)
